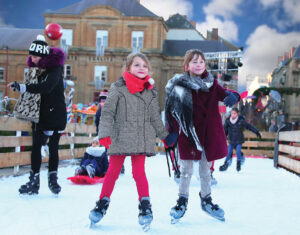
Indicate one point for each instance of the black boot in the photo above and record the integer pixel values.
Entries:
(179, 210)
(145, 212)
(238, 165)
(100, 210)
(224, 166)
(52, 182)
(212, 209)
(33, 186)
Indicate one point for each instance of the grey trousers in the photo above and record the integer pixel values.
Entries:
(186, 168)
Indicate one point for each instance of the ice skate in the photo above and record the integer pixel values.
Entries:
(145, 214)
(99, 211)
(211, 209)
(213, 181)
(224, 166)
(52, 182)
(238, 165)
(33, 186)
(179, 210)
(90, 170)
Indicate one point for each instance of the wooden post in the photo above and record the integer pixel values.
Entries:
(18, 149)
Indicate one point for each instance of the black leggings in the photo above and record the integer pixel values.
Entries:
(39, 139)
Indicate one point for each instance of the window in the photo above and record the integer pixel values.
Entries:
(101, 41)
(137, 38)
(67, 37)
(67, 71)
(100, 73)
(25, 71)
(1, 73)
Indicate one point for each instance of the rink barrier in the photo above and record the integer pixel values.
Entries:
(78, 134)
(289, 151)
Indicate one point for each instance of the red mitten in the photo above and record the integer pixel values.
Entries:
(106, 141)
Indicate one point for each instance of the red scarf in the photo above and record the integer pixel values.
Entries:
(135, 84)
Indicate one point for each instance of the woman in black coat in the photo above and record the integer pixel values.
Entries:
(49, 109)
(234, 127)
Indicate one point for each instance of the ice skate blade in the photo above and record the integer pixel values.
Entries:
(174, 221)
(146, 227)
(92, 225)
(216, 217)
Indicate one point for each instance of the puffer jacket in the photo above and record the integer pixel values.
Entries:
(235, 131)
(132, 121)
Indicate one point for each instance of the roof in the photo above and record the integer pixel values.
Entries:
(229, 44)
(178, 21)
(18, 39)
(296, 54)
(179, 47)
(126, 7)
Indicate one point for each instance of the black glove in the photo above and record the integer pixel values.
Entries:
(231, 98)
(15, 86)
(258, 135)
(171, 139)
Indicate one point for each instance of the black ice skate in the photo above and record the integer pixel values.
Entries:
(33, 186)
(238, 165)
(52, 182)
(91, 171)
(179, 210)
(224, 166)
(99, 211)
(211, 209)
(145, 213)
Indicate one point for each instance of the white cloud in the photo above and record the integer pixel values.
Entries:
(227, 29)
(264, 46)
(2, 23)
(169, 7)
(224, 8)
(269, 3)
(292, 8)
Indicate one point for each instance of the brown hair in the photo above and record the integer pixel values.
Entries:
(189, 55)
(235, 110)
(131, 56)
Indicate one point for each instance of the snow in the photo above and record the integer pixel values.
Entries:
(258, 200)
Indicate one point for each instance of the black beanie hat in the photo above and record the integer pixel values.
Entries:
(39, 47)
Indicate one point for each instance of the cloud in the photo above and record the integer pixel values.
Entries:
(224, 8)
(169, 7)
(227, 29)
(264, 46)
(3, 24)
(292, 8)
(269, 3)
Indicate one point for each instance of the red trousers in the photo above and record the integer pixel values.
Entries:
(138, 173)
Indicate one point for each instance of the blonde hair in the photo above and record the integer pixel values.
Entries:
(189, 55)
(130, 58)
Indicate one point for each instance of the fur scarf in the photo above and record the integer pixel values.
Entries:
(179, 102)
(28, 104)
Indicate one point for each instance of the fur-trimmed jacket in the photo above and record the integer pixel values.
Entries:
(193, 112)
(132, 121)
(52, 113)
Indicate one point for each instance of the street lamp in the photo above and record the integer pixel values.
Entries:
(6, 72)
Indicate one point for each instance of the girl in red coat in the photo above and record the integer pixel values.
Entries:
(192, 111)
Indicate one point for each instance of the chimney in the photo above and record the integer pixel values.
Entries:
(292, 52)
(286, 56)
(193, 23)
(215, 35)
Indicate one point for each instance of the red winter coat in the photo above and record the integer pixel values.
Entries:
(208, 125)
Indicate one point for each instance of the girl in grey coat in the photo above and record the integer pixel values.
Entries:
(129, 123)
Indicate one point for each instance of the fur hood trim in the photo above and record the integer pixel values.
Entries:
(55, 58)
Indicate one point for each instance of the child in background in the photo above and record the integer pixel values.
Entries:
(192, 111)
(129, 123)
(94, 162)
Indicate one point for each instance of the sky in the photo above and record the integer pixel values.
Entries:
(265, 29)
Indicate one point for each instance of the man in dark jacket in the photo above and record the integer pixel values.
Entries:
(234, 127)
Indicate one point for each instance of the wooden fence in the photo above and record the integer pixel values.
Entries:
(77, 134)
(289, 150)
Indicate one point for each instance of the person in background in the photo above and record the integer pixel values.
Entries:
(94, 162)
(48, 114)
(234, 127)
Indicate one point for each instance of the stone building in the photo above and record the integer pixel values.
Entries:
(99, 34)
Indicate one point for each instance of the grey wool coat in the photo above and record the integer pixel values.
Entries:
(132, 121)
